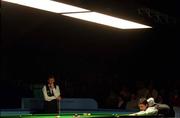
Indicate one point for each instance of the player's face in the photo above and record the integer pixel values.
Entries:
(51, 80)
(142, 107)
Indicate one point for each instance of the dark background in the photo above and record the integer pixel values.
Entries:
(88, 60)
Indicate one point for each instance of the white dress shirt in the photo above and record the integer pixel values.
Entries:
(56, 92)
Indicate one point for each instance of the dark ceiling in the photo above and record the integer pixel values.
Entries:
(35, 36)
(43, 27)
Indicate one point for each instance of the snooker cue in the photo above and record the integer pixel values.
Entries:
(58, 107)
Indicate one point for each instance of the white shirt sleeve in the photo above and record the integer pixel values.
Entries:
(150, 111)
(46, 97)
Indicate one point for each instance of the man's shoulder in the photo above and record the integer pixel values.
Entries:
(44, 86)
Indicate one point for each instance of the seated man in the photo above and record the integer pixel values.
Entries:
(52, 96)
(145, 109)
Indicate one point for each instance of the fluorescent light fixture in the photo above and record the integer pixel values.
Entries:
(107, 20)
(79, 13)
(48, 5)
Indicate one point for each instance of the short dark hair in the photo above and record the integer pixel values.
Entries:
(51, 76)
(143, 101)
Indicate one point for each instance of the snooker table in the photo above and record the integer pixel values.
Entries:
(71, 115)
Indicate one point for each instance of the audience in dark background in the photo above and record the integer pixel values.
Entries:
(113, 93)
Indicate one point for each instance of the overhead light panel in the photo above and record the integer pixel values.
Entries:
(107, 20)
(48, 5)
(79, 13)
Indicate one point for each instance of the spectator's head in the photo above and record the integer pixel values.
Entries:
(120, 98)
(133, 96)
(143, 104)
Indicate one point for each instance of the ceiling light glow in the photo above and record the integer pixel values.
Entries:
(107, 20)
(48, 5)
(79, 13)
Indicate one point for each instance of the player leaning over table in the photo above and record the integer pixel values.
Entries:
(145, 109)
(52, 96)
(163, 109)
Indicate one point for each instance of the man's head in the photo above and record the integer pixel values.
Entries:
(143, 104)
(51, 79)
